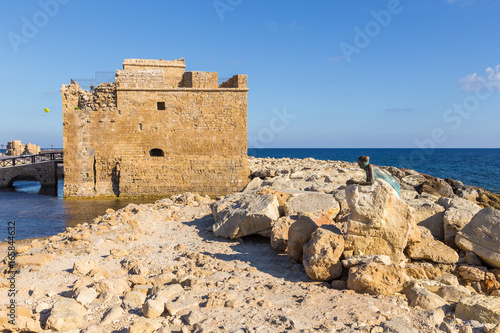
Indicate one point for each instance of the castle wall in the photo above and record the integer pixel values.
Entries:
(201, 131)
(78, 153)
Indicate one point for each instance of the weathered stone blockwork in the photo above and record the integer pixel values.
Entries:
(45, 173)
(16, 148)
(157, 130)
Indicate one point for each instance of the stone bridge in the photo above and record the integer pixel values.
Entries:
(42, 168)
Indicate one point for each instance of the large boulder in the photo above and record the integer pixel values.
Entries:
(244, 215)
(435, 186)
(133, 299)
(66, 315)
(153, 308)
(488, 199)
(422, 270)
(463, 191)
(453, 293)
(322, 254)
(429, 249)
(458, 213)
(301, 230)
(430, 215)
(424, 299)
(376, 279)
(379, 222)
(472, 273)
(482, 236)
(479, 307)
(312, 202)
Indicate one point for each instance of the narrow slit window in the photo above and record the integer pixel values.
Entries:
(160, 106)
(156, 152)
(140, 127)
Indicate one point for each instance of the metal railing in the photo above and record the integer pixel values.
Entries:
(100, 77)
(30, 159)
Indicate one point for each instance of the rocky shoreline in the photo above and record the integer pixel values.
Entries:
(295, 251)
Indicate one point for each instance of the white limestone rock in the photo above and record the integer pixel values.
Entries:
(379, 221)
(247, 215)
(313, 202)
(66, 315)
(322, 253)
(482, 236)
(458, 213)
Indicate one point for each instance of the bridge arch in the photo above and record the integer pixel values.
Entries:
(22, 177)
(45, 173)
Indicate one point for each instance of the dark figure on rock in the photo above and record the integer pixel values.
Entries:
(373, 173)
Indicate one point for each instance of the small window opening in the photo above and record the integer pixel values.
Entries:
(160, 106)
(140, 127)
(156, 152)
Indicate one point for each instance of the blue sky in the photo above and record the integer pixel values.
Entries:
(333, 74)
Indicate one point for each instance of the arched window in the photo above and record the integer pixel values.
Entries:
(156, 152)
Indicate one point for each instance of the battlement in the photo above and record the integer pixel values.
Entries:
(148, 74)
(200, 80)
(237, 81)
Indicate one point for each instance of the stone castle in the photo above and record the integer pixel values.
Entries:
(157, 130)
